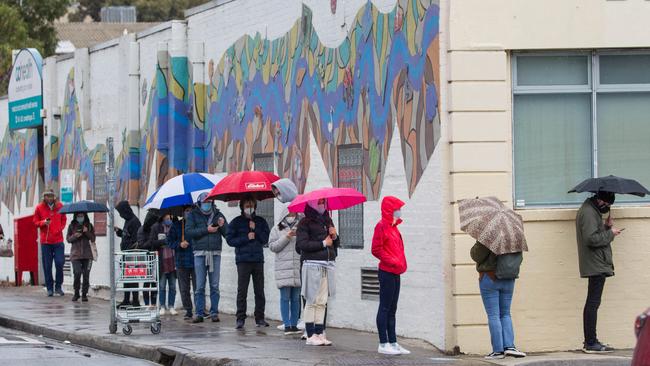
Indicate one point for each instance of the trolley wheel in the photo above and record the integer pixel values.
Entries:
(112, 328)
(155, 328)
(127, 330)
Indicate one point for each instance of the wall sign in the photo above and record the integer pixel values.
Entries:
(26, 90)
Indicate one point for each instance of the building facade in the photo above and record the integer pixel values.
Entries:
(431, 101)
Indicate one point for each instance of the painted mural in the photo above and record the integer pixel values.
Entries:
(18, 168)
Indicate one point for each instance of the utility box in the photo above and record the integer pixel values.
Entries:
(25, 249)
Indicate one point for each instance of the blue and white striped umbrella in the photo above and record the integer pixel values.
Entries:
(182, 190)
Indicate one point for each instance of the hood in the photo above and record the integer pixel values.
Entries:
(287, 188)
(389, 205)
(151, 218)
(311, 213)
(124, 208)
(284, 210)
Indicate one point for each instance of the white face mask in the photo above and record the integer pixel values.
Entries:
(249, 211)
(397, 214)
(321, 209)
(290, 220)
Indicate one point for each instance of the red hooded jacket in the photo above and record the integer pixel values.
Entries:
(387, 244)
(52, 233)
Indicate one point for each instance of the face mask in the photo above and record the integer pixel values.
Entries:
(81, 219)
(279, 197)
(167, 222)
(290, 220)
(397, 214)
(321, 209)
(603, 209)
(206, 206)
(249, 211)
(51, 204)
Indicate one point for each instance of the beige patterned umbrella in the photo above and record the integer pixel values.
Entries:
(496, 226)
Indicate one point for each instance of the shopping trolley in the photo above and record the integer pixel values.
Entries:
(136, 267)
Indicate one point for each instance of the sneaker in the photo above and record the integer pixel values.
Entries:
(261, 323)
(387, 349)
(198, 319)
(325, 341)
(75, 298)
(187, 316)
(124, 304)
(291, 330)
(215, 318)
(513, 352)
(50, 293)
(240, 324)
(281, 327)
(137, 304)
(400, 349)
(597, 348)
(84, 298)
(173, 311)
(495, 356)
(162, 311)
(314, 340)
(59, 292)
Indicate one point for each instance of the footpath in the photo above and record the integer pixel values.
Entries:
(183, 344)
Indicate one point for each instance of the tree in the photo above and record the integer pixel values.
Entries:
(91, 8)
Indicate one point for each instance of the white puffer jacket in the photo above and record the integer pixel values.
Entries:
(287, 261)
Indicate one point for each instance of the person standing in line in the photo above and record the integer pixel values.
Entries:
(594, 237)
(318, 243)
(205, 228)
(166, 257)
(129, 235)
(51, 224)
(145, 243)
(388, 247)
(80, 234)
(184, 262)
(282, 242)
(248, 234)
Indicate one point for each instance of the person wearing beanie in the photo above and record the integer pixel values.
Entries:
(51, 224)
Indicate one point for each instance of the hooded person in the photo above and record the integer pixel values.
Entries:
(144, 242)
(388, 247)
(80, 234)
(129, 235)
(282, 242)
(284, 190)
(51, 224)
(205, 228)
(185, 274)
(594, 237)
(248, 233)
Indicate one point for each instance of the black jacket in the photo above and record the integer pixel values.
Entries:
(129, 232)
(311, 232)
(196, 230)
(248, 251)
(144, 232)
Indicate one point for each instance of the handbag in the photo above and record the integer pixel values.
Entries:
(5, 248)
(93, 249)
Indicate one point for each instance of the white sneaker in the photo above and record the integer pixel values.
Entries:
(280, 327)
(495, 356)
(400, 349)
(173, 311)
(162, 311)
(513, 352)
(387, 349)
(314, 340)
(325, 341)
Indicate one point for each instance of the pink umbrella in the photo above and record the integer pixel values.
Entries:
(337, 199)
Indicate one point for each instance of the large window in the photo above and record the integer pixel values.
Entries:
(265, 209)
(350, 173)
(576, 116)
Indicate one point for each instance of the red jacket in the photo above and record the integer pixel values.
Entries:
(52, 233)
(387, 244)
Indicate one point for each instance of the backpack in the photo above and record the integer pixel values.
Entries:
(508, 266)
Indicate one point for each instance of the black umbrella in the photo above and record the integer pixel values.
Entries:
(611, 184)
(83, 206)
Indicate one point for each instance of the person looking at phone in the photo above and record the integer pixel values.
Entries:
(206, 227)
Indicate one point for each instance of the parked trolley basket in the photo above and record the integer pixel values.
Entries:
(136, 267)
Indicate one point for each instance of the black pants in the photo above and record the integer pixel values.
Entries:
(150, 297)
(389, 286)
(186, 277)
(244, 273)
(590, 313)
(81, 268)
(127, 294)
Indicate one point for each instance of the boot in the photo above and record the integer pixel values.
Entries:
(76, 296)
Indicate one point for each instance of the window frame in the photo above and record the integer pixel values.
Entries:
(361, 206)
(593, 87)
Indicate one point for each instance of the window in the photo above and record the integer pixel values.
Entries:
(350, 169)
(577, 116)
(265, 208)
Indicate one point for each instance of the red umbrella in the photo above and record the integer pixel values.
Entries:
(337, 199)
(239, 185)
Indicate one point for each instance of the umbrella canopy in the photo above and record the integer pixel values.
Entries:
(236, 186)
(496, 226)
(337, 199)
(182, 190)
(611, 184)
(83, 206)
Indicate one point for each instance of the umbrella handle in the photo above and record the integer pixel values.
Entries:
(183, 230)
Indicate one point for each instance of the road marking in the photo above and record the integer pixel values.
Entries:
(18, 340)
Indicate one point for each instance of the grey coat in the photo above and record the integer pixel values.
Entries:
(287, 260)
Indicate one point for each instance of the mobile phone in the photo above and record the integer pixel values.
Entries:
(622, 229)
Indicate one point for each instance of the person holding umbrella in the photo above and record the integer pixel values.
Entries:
(184, 261)
(80, 234)
(248, 234)
(205, 228)
(51, 224)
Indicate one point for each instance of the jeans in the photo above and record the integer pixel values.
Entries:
(389, 286)
(53, 253)
(290, 305)
(81, 267)
(590, 312)
(244, 273)
(201, 271)
(186, 278)
(149, 297)
(497, 297)
(167, 280)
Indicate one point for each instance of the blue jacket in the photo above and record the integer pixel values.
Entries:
(248, 251)
(184, 257)
(196, 230)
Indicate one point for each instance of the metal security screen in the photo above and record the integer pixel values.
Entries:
(264, 163)
(100, 195)
(349, 176)
(369, 284)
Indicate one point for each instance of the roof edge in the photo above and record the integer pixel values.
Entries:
(205, 7)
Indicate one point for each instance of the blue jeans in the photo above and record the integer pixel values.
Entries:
(290, 305)
(167, 279)
(201, 271)
(389, 286)
(497, 297)
(53, 253)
